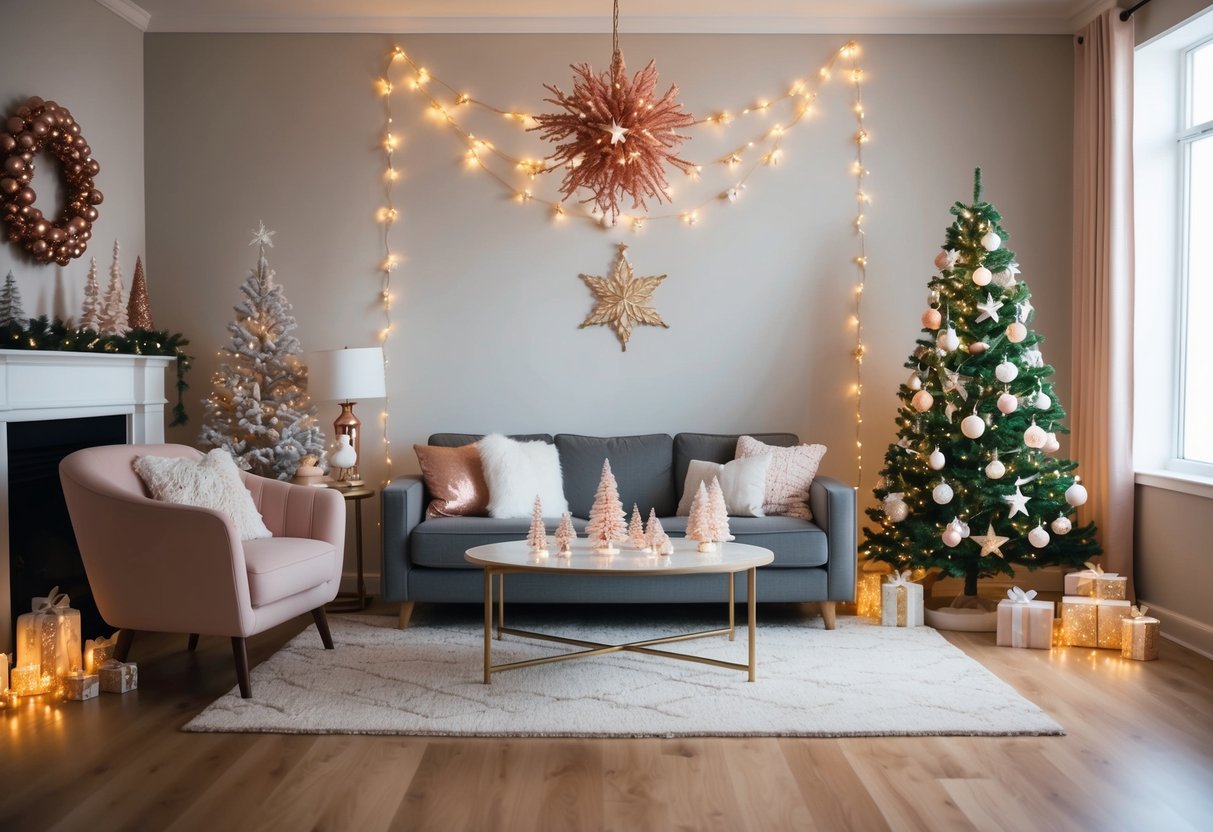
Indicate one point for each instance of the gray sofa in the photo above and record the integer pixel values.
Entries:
(814, 560)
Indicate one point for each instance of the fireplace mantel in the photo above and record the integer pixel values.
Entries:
(40, 385)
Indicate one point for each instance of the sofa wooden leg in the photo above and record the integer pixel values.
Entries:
(193, 645)
(322, 624)
(240, 654)
(123, 648)
(827, 613)
(406, 613)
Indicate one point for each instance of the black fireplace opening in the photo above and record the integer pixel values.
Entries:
(42, 548)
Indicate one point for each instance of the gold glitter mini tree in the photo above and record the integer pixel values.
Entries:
(138, 308)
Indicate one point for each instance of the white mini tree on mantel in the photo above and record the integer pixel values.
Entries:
(90, 314)
(537, 538)
(607, 523)
(636, 537)
(113, 312)
(565, 535)
(699, 522)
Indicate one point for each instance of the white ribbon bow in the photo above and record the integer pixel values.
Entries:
(899, 578)
(1018, 596)
(1094, 567)
(1138, 612)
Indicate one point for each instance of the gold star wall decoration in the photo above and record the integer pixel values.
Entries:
(622, 300)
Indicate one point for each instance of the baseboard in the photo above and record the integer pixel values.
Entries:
(1184, 631)
(349, 583)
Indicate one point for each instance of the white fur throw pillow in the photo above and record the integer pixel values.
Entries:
(743, 481)
(517, 471)
(789, 476)
(211, 482)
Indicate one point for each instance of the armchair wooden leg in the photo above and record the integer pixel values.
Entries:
(193, 645)
(827, 613)
(322, 624)
(406, 613)
(241, 656)
(123, 648)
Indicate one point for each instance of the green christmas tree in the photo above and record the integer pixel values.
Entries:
(972, 484)
(259, 409)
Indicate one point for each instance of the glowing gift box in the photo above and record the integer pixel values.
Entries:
(1092, 622)
(1024, 622)
(1139, 636)
(49, 638)
(900, 601)
(118, 677)
(98, 651)
(867, 589)
(1093, 582)
(80, 686)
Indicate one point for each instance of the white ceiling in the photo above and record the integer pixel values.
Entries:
(721, 16)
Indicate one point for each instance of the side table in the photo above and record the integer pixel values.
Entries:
(354, 601)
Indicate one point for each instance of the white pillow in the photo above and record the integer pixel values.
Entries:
(743, 481)
(517, 471)
(211, 482)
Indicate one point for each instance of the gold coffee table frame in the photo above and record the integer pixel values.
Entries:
(501, 559)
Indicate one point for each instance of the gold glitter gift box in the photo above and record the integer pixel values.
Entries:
(1093, 582)
(81, 686)
(1139, 635)
(1092, 622)
(901, 601)
(118, 677)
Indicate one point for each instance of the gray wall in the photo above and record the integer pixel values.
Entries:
(284, 128)
(89, 60)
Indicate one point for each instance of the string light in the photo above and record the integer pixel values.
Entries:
(851, 51)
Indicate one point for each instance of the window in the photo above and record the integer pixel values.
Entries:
(1195, 439)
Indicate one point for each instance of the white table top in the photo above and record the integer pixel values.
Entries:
(516, 555)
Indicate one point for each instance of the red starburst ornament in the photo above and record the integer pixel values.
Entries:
(615, 136)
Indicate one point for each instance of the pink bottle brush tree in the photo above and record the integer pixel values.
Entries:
(607, 523)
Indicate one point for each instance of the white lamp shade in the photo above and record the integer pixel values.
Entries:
(346, 375)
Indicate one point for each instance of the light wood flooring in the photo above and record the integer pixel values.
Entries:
(1138, 755)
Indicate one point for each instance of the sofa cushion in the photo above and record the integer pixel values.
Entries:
(518, 473)
(715, 447)
(641, 464)
(455, 479)
(280, 567)
(454, 440)
(743, 482)
(795, 543)
(442, 541)
(789, 476)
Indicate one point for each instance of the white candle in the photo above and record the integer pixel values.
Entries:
(3, 672)
(88, 657)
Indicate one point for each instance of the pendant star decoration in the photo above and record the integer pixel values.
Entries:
(989, 309)
(618, 132)
(261, 237)
(1017, 503)
(622, 300)
(989, 542)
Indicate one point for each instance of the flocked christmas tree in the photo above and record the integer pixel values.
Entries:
(653, 532)
(113, 319)
(607, 523)
(720, 512)
(90, 314)
(537, 537)
(565, 534)
(977, 427)
(699, 520)
(259, 409)
(636, 536)
(11, 312)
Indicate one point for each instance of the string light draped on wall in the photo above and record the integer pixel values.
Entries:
(762, 149)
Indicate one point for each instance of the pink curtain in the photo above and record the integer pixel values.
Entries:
(1102, 406)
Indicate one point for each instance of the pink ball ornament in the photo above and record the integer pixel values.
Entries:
(914, 382)
(1076, 494)
(1006, 372)
(948, 340)
(1038, 537)
(951, 537)
(973, 426)
(1035, 436)
(1052, 446)
(931, 319)
(991, 241)
(1062, 525)
(982, 276)
(1016, 332)
(941, 260)
(1007, 404)
(978, 347)
(922, 401)
(1043, 402)
(897, 510)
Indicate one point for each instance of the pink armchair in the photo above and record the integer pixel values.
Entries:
(164, 567)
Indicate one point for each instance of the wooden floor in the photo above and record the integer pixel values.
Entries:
(1138, 755)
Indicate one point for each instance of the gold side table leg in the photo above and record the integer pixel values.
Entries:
(751, 609)
(500, 604)
(488, 626)
(732, 601)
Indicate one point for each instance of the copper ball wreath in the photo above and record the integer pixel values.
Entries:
(35, 126)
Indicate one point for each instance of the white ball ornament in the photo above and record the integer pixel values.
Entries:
(1006, 372)
(914, 382)
(951, 537)
(1062, 525)
(922, 401)
(991, 241)
(973, 426)
(995, 469)
(1035, 436)
(1043, 402)
(1038, 537)
(931, 319)
(897, 510)
(982, 276)
(948, 340)
(936, 460)
(1007, 404)
(1051, 446)
(1016, 332)
(1076, 494)
(942, 494)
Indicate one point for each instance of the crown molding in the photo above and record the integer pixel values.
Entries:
(194, 21)
(1089, 12)
(132, 13)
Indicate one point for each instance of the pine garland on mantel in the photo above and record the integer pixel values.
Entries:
(56, 336)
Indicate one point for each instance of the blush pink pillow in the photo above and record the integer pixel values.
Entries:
(789, 475)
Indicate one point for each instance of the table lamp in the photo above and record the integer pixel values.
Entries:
(347, 376)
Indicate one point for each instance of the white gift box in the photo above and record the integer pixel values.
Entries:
(1024, 622)
(900, 602)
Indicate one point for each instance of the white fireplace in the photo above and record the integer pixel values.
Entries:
(44, 385)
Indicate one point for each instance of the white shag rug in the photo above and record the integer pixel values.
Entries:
(858, 680)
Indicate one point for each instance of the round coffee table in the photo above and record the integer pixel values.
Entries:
(500, 559)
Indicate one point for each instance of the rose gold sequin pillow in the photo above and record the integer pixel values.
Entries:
(455, 479)
(789, 476)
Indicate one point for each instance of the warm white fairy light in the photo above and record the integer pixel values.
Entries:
(851, 51)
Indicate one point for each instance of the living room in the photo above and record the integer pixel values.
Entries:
(211, 122)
